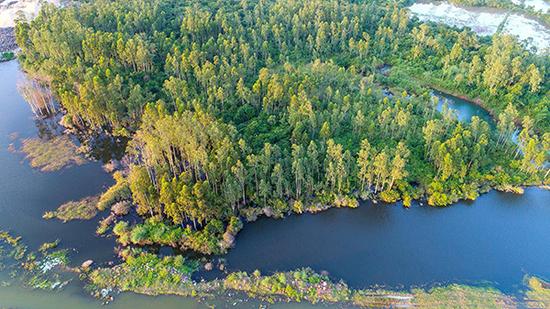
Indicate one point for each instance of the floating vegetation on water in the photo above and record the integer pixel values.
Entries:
(44, 269)
(53, 154)
(83, 209)
(105, 224)
(47, 272)
(17, 250)
(49, 245)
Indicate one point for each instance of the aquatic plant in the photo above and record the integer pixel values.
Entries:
(149, 274)
(83, 209)
(39, 97)
(44, 269)
(53, 154)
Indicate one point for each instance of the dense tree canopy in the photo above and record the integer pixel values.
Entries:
(248, 107)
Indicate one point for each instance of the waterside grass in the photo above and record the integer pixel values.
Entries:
(52, 154)
(149, 274)
(83, 209)
(45, 269)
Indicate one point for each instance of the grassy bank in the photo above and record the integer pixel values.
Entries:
(148, 274)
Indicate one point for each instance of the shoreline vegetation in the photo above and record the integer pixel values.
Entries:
(53, 154)
(522, 7)
(300, 126)
(8, 46)
(140, 274)
(83, 209)
(232, 116)
(45, 269)
(149, 274)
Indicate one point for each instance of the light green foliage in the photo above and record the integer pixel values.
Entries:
(83, 209)
(120, 191)
(232, 113)
(300, 285)
(37, 270)
(147, 274)
(460, 296)
(538, 295)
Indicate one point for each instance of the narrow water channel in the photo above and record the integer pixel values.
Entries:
(464, 109)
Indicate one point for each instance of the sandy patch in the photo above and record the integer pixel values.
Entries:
(485, 22)
(9, 10)
(537, 5)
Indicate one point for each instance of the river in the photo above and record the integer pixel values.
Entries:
(464, 109)
(499, 238)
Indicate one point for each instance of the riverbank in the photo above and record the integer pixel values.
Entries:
(197, 182)
(140, 274)
(8, 46)
(422, 82)
(154, 275)
(534, 9)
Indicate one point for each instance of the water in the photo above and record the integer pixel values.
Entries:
(498, 238)
(465, 110)
(71, 298)
(25, 193)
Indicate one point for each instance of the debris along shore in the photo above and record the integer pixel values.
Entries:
(7, 40)
(9, 12)
(8, 46)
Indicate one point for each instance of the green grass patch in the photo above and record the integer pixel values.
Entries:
(83, 209)
(120, 191)
(462, 296)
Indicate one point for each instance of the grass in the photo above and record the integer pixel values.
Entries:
(462, 296)
(51, 155)
(119, 192)
(83, 209)
(148, 274)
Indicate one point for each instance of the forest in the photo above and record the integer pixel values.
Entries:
(236, 109)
